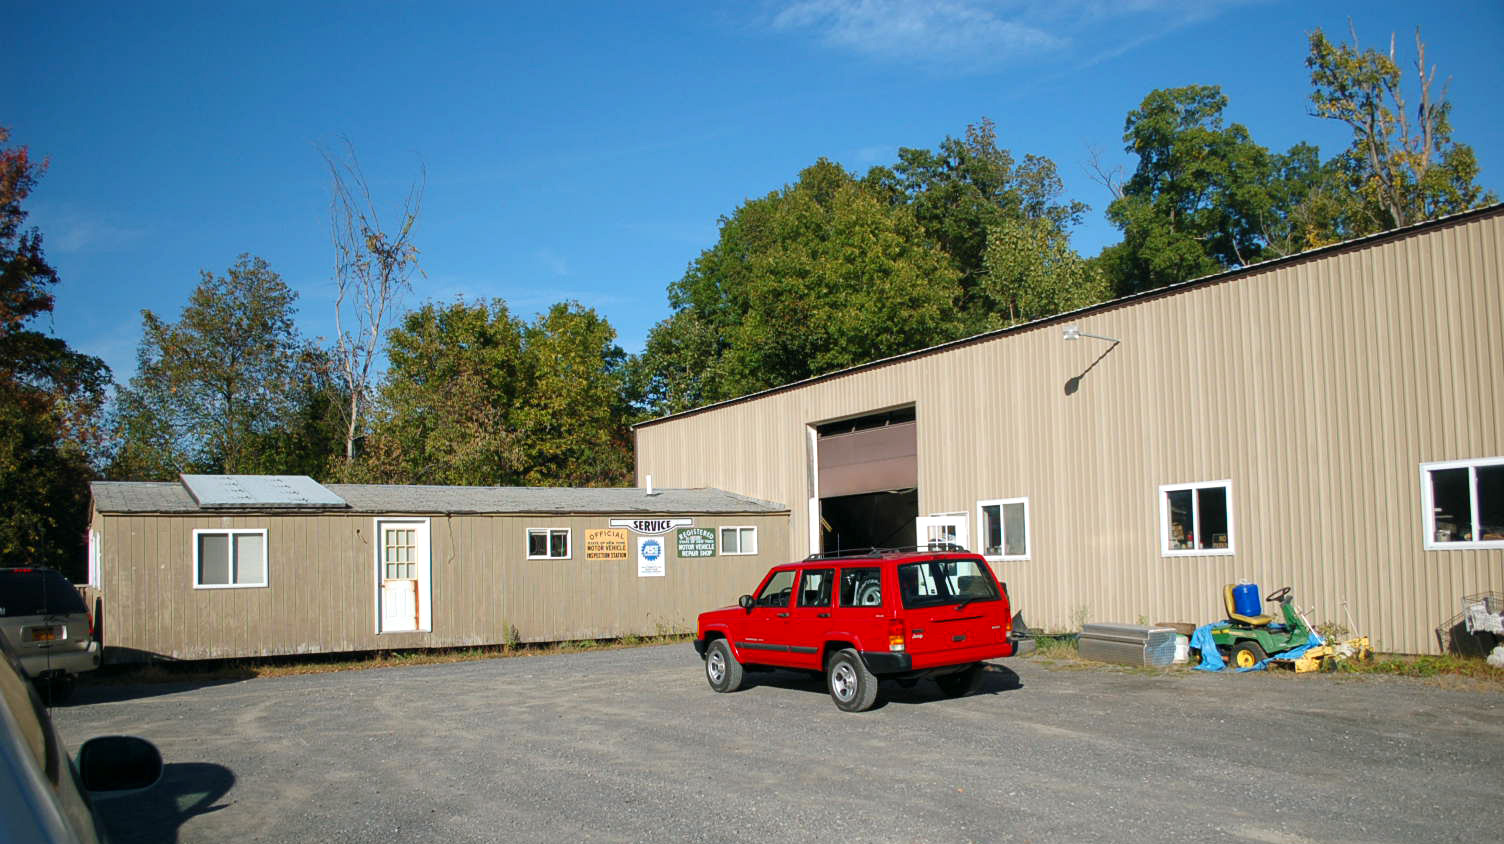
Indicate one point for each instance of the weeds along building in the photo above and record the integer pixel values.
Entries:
(235, 566)
(1331, 421)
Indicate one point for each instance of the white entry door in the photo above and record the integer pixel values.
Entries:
(402, 576)
(941, 529)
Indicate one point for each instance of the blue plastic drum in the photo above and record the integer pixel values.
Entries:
(1245, 599)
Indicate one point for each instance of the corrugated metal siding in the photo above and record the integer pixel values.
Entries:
(1317, 387)
(321, 587)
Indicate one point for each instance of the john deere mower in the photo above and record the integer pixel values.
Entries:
(1250, 639)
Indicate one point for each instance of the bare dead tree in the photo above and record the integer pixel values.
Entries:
(1108, 177)
(373, 268)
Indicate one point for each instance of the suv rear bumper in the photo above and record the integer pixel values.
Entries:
(74, 661)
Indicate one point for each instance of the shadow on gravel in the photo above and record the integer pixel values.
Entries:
(155, 815)
(93, 691)
(996, 679)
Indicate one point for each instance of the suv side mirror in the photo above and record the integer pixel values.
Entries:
(745, 602)
(112, 765)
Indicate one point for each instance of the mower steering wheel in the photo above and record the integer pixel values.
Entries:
(1277, 594)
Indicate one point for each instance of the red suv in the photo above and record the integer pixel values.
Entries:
(903, 615)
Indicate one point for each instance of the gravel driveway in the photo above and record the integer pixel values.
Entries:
(631, 745)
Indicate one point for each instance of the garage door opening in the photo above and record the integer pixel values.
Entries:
(868, 520)
(867, 478)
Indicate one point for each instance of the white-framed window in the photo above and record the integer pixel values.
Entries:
(1462, 504)
(738, 539)
(548, 543)
(229, 559)
(94, 557)
(1003, 528)
(1195, 520)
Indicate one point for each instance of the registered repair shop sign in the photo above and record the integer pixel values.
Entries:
(696, 542)
(650, 555)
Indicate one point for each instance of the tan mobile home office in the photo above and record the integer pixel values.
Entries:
(380, 567)
(1331, 421)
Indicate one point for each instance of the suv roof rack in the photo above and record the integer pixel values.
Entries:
(949, 547)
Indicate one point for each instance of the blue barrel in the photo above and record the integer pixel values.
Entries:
(1245, 599)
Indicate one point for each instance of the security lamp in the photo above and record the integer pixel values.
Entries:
(1074, 332)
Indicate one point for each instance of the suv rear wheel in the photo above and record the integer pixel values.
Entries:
(852, 686)
(721, 668)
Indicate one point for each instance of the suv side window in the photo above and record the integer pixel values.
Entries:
(862, 587)
(814, 588)
(777, 590)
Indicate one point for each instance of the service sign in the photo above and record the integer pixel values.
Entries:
(651, 527)
(650, 554)
(606, 544)
(696, 542)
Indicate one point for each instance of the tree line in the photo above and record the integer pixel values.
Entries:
(834, 269)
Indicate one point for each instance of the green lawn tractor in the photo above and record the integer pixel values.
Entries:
(1249, 639)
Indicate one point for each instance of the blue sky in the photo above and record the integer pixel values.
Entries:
(585, 150)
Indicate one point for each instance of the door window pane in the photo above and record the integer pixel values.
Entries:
(776, 592)
(814, 588)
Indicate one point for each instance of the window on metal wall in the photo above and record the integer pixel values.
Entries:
(1463, 503)
(1004, 524)
(1196, 519)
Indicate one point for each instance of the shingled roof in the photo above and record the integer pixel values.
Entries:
(170, 497)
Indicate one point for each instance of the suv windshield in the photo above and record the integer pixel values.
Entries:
(936, 582)
(37, 592)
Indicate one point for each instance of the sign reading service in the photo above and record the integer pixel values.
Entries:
(651, 527)
(696, 542)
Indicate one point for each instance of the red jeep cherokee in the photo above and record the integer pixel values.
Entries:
(903, 615)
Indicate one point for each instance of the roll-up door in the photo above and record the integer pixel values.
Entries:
(868, 460)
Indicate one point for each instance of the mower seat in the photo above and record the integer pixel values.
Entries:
(1233, 615)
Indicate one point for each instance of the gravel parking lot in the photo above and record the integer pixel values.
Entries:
(631, 745)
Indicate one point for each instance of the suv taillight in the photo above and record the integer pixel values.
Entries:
(896, 635)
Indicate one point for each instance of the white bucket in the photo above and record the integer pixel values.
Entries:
(1182, 649)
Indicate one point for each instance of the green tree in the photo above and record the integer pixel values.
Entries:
(1403, 165)
(571, 418)
(214, 387)
(1205, 197)
(475, 396)
(455, 373)
(1031, 272)
(816, 276)
(50, 395)
(965, 188)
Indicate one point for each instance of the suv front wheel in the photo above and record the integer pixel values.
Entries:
(852, 686)
(721, 668)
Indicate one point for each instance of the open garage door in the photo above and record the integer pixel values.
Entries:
(868, 479)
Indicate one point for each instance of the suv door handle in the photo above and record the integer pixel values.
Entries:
(823, 615)
(783, 615)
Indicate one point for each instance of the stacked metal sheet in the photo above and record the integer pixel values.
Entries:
(1128, 644)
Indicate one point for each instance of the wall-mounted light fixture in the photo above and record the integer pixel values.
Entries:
(1074, 332)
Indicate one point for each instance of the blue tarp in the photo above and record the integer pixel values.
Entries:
(1211, 660)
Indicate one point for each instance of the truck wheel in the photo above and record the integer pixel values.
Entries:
(1247, 654)
(721, 667)
(852, 686)
(963, 682)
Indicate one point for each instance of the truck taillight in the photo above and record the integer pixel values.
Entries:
(895, 635)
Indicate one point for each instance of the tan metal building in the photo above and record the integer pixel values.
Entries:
(235, 566)
(1332, 421)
